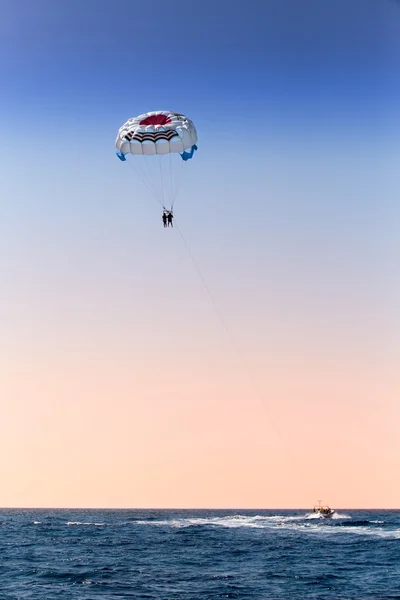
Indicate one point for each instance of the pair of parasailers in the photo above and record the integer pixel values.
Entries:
(167, 218)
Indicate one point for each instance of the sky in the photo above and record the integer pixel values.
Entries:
(249, 357)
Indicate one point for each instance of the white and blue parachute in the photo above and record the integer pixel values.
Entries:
(157, 144)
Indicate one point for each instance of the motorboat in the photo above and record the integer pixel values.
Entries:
(323, 510)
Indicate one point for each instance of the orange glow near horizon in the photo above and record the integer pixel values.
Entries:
(96, 426)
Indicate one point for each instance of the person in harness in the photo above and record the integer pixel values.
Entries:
(167, 218)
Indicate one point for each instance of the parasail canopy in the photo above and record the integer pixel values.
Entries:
(157, 132)
(156, 142)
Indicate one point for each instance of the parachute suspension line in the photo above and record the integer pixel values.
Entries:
(229, 335)
(162, 180)
(176, 186)
(171, 191)
(143, 180)
(140, 173)
(148, 165)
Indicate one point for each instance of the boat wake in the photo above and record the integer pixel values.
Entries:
(335, 517)
(338, 524)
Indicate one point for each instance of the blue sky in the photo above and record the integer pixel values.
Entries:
(291, 59)
(296, 105)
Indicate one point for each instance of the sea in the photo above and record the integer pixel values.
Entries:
(199, 554)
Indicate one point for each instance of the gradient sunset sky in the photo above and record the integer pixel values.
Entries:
(120, 384)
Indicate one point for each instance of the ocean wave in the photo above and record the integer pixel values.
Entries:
(359, 523)
(380, 522)
(335, 517)
(83, 523)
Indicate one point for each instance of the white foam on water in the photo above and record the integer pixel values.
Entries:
(378, 522)
(232, 521)
(229, 521)
(309, 523)
(336, 516)
(362, 530)
(82, 523)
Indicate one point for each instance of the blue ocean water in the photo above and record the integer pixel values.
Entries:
(199, 555)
